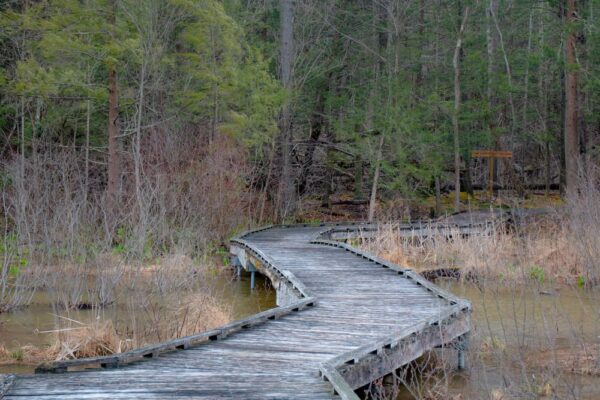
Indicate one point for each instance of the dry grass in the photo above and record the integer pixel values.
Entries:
(202, 312)
(197, 313)
(171, 298)
(543, 252)
(26, 355)
(57, 220)
(528, 341)
(582, 359)
(96, 339)
(426, 378)
(562, 247)
(177, 315)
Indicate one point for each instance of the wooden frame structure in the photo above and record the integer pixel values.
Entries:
(447, 323)
(491, 155)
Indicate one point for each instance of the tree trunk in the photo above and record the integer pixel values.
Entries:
(264, 194)
(113, 119)
(317, 126)
(358, 176)
(586, 105)
(88, 117)
(491, 67)
(329, 171)
(457, 98)
(215, 95)
(22, 137)
(22, 58)
(492, 44)
(547, 162)
(420, 79)
(438, 190)
(508, 78)
(571, 135)
(286, 184)
(467, 177)
(375, 66)
(438, 196)
(543, 96)
(375, 179)
(526, 94)
(138, 140)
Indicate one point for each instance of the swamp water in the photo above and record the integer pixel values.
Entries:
(521, 336)
(526, 341)
(33, 325)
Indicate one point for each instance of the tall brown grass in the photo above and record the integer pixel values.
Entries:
(535, 292)
(148, 255)
(171, 299)
(57, 222)
(562, 246)
(583, 222)
(543, 250)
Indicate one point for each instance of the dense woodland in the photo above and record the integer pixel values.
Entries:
(160, 122)
(138, 136)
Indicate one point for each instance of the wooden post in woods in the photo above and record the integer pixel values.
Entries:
(491, 155)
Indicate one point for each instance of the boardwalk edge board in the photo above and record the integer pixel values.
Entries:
(344, 372)
(461, 308)
(407, 272)
(420, 230)
(154, 350)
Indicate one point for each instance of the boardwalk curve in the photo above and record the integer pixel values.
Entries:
(344, 319)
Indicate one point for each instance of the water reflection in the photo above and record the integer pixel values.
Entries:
(34, 325)
(526, 342)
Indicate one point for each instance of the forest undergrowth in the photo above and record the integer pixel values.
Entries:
(153, 254)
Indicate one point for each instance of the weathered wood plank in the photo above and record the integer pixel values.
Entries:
(6, 382)
(371, 317)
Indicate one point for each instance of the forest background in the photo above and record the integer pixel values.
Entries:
(163, 126)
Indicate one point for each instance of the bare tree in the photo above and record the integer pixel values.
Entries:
(113, 117)
(492, 9)
(376, 179)
(571, 133)
(286, 184)
(457, 99)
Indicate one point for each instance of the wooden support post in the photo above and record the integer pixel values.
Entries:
(461, 359)
(462, 345)
(491, 155)
(237, 263)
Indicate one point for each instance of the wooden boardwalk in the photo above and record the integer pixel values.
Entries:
(345, 319)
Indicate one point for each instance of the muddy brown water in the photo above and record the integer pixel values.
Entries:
(518, 334)
(30, 325)
(515, 331)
